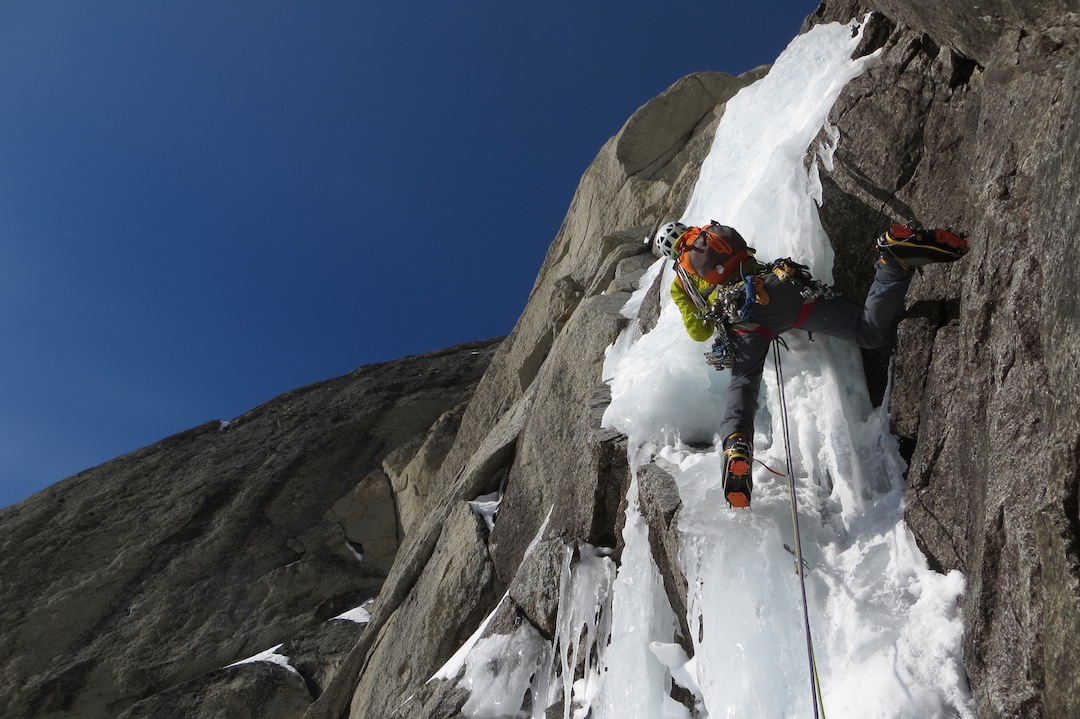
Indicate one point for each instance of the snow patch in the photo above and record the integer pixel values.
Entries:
(360, 614)
(271, 656)
(486, 507)
(356, 551)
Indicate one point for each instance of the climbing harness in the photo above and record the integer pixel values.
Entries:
(734, 302)
(801, 565)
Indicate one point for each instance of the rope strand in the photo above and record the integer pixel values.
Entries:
(815, 681)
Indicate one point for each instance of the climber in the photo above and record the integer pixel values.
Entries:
(726, 294)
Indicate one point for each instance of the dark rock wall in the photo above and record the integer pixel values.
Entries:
(970, 120)
(214, 544)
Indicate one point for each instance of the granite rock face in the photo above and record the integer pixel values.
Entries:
(532, 427)
(968, 120)
(215, 544)
(131, 588)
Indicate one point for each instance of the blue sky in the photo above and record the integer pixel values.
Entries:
(200, 199)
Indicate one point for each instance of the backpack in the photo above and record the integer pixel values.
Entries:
(714, 253)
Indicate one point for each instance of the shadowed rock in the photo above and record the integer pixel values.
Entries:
(214, 544)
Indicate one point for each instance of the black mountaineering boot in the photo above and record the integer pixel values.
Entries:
(738, 484)
(906, 249)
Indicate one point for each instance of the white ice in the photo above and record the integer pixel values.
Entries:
(500, 670)
(886, 629)
(454, 666)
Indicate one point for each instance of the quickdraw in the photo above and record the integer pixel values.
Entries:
(722, 354)
(733, 303)
(787, 270)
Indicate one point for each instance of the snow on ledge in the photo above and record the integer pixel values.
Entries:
(271, 656)
(360, 614)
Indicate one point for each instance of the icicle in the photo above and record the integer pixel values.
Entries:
(584, 607)
(499, 671)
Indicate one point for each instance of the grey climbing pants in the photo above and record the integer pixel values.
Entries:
(868, 325)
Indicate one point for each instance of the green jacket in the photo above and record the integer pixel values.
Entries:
(699, 328)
